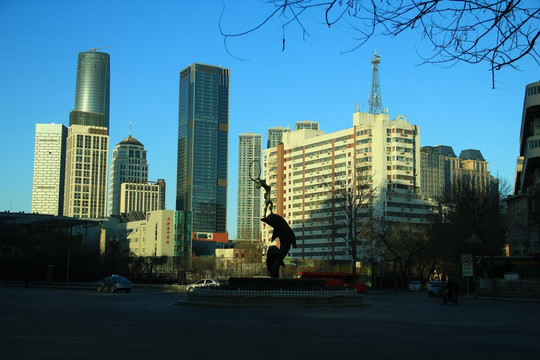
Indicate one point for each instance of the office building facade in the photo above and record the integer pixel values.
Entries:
(129, 164)
(49, 169)
(203, 128)
(141, 197)
(249, 196)
(87, 152)
(152, 236)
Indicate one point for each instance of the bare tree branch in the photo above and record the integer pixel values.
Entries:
(500, 33)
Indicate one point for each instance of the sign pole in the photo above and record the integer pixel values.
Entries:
(467, 268)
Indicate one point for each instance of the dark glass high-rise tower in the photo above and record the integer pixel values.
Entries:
(92, 90)
(203, 128)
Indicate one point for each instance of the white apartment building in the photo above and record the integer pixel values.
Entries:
(153, 236)
(85, 194)
(249, 197)
(49, 169)
(303, 169)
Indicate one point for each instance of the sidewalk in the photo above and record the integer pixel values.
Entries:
(92, 285)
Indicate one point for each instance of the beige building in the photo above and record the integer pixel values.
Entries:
(153, 236)
(85, 193)
(470, 166)
(305, 168)
(142, 197)
(441, 169)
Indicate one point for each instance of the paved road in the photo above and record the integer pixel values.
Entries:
(38, 323)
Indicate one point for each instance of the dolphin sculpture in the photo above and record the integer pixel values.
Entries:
(275, 255)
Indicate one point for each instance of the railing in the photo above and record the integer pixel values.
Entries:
(274, 293)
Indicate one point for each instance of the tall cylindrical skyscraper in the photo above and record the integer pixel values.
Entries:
(92, 90)
(87, 145)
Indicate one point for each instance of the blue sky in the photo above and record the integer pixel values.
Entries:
(312, 80)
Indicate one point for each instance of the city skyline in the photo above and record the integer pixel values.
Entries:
(311, 80)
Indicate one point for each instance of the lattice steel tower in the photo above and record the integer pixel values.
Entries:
(375, 98)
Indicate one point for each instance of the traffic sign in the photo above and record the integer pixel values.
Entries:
(467, 265)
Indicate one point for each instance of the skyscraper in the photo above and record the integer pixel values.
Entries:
(49, 169)
(203, 130)
(92, 91)
(85, 192)
(129, 164)
(433, 169)
(249, 197)
(441, 169)
(275, 136)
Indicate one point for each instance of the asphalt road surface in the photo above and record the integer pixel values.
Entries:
(47, 323)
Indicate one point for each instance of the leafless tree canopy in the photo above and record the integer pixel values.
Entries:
(499, 33)
(352, 194)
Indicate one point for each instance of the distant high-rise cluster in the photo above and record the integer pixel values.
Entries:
(70, 165)
(441, 169)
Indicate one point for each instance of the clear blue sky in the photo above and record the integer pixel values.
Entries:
(153, 40)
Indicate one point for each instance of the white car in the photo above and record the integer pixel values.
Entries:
(415, 286)
(203, 283)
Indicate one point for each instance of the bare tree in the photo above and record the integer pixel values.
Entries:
(352, 193)
(497, 32)
(472, 220)
(404, 249)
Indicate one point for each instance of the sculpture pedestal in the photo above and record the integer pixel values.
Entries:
(275, 293)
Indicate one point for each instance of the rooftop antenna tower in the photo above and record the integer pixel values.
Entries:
(375, 98)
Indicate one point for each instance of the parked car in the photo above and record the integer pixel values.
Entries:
(114, 283)
(203, 283)
(415, 286)
(434, 289)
